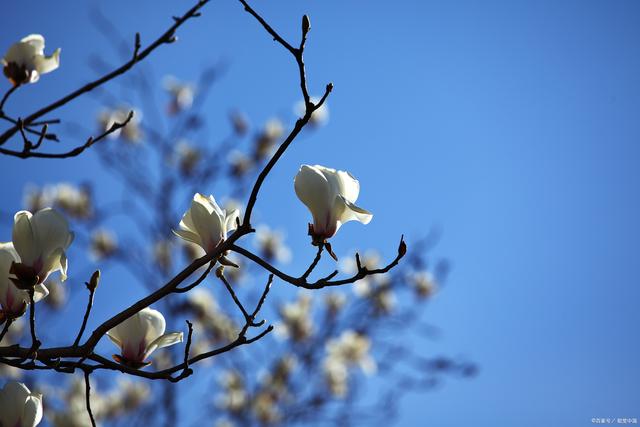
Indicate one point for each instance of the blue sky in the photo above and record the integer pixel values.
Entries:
(510, 125)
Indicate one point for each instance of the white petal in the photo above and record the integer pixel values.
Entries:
(40, 292)
(24, 237)
(155, 323)
(351, 212)
(23, 54)
(115, 337)
(46, 64)
(51, 230)
(164, 341)
(313, 189)
(341, 182)
(32, 413)
(56, 261)
(36, 41)
(189, 236)
(8, 256)
(12, 399)
(230, 223)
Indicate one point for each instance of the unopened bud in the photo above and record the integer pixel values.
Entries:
(306, 24)
(92, 284)
(402, 248)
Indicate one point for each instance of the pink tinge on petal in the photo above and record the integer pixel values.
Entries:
(134, 352)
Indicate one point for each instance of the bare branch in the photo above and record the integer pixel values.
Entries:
(324, 282)
(87, 395)
(167, 37)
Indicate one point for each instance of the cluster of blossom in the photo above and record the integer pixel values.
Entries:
(126, 397)
(75, 201)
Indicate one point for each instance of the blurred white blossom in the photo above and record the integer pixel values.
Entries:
(132, 132)
(296, 322)
(181, 94)
(318, 117)
(271, 244)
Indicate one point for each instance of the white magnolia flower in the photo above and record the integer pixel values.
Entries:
(19, 407)
(140, 335)
(132, 132)
(296, 323)
(25, 60)
(318, 117)
(267, 138)
(41, 240)
(352, 348)
(205, 223)
(181, 93)
(329, 195)
(271, 244)
(424, 284)
(14, 301)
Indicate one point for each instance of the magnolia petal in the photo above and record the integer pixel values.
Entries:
(51, 230)
(209, 225)
(40, 292)
(154, 322)
(168, 339)
(12, 401)
(114, 337)
(230, 223)
(188, 236)
(202, 200)
(313, 189)
(163, 341)
(342, 182)
(8, 256)
(36, 41)
(23, 54)
(56, 261)
(352, 212)
(24, 237)
(46, 64)
(32, 413)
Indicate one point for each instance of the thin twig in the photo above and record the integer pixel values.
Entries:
(27, 151)
(87, 395)
(314, 263)
(92, 291)
(6, 97)
(197, 281)
(35, 344)
(326, 281)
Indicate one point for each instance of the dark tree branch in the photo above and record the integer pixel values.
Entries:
(326, 281)
(87, 396)
(28, 147)
(197, 281)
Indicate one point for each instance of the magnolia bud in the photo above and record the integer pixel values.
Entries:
(92, 284)
(306, 24)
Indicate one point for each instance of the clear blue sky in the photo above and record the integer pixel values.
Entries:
(513, 126)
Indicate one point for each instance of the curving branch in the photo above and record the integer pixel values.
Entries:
(324, 282)
(138, 55)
